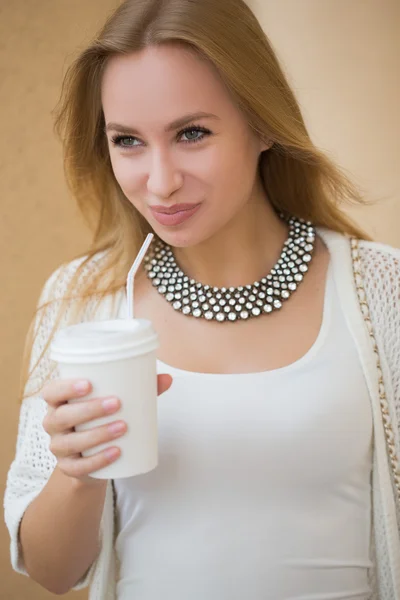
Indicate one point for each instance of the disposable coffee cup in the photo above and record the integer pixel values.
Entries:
(118, 357)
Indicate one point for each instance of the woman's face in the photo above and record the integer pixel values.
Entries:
(176, 138)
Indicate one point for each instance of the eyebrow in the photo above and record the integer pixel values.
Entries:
(177, 124)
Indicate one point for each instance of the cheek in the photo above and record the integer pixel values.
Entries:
(233, 169)
(126, 174)
(218, 167)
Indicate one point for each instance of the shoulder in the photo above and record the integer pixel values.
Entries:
(376, 250)
(74, 271)
(374, 256)
(380, 262)
(379, 265)
(369, 250)
(380, 269)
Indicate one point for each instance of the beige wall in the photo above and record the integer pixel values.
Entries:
(341, 56)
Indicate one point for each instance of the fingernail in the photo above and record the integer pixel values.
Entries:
(110, 404)
(111, 453)
(81, 386)
(117, 427)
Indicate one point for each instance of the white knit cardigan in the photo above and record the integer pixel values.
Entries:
(380, 268)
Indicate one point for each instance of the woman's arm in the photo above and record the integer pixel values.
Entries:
(59, 532)
(29, 476)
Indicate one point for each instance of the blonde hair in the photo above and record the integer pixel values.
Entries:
(299, 179)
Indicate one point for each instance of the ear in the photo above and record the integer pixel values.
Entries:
(265, 145)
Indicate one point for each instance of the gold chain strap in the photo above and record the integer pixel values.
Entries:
(387, 425)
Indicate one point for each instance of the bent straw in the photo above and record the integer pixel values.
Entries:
(132, 272)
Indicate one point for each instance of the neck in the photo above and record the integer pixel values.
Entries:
(243, 252)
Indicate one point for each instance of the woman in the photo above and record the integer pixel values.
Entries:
(278, 473)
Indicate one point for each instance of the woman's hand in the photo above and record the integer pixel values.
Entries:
(67, 444)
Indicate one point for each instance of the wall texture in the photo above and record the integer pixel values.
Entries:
(341, 58)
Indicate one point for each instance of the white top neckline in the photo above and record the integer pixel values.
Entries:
(308, 356)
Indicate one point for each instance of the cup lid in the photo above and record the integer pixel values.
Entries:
(101, 338)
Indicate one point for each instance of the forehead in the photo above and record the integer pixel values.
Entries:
(160, 84)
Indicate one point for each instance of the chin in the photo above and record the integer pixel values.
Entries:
(182, 239)
(182, 236)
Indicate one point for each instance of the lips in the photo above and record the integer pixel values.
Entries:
(173, 209)
(174, 215)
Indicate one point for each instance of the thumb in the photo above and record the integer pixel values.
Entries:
(164, 383)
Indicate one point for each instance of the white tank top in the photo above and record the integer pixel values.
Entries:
(263, 486)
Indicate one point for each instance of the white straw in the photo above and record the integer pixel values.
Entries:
(132, 272)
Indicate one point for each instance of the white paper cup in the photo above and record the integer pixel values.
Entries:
(118, 358)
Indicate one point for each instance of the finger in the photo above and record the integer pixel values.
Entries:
(164, 383)
(68, 416)
(59, 391)
(81, 466)
(75, 443)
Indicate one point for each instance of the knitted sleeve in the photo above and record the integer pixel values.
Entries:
(33, 462)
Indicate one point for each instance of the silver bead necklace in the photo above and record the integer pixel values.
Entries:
(234, 303)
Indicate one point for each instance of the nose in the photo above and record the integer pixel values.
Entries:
(164, 178)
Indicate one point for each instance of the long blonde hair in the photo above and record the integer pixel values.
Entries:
(298, 178)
